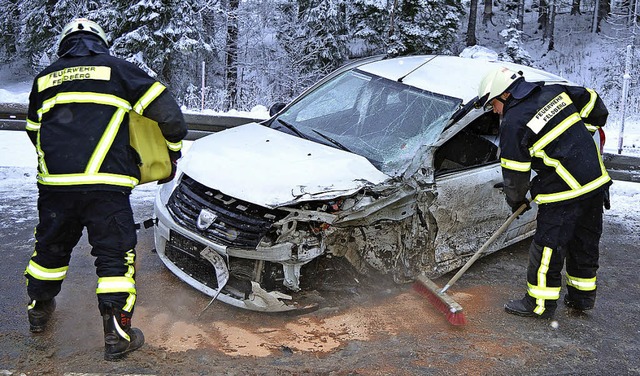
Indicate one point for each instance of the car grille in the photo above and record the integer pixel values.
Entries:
(185, 254)
(238, 223)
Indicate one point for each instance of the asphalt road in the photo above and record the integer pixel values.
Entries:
(368, 327)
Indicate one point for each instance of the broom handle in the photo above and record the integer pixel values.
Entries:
(484, 247)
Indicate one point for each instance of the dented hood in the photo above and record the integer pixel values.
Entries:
(270, 168)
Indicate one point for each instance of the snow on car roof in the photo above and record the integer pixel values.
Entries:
(453, 76)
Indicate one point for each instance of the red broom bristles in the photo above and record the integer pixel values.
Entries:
(452, 311)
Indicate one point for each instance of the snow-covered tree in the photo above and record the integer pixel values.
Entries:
(369, 21)
(514, 51)
(161, 36)
(425, 26)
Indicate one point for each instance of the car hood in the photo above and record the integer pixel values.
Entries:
(266, 167)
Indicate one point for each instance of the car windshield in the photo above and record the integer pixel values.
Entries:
(383, 120)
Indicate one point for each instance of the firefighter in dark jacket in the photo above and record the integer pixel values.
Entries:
(78, 122)
(549, 129)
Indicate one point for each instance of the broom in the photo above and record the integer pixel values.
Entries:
(437, 296)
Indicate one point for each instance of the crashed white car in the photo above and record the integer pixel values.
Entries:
(386, 163)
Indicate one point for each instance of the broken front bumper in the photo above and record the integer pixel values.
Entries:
(189, 256)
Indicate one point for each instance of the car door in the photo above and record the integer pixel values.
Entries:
(470, 205)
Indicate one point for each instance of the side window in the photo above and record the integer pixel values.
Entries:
(476, 144)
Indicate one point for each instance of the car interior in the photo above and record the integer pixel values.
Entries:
(475, 145)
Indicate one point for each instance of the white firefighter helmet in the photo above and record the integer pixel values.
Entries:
(496, 82)
(84, 25)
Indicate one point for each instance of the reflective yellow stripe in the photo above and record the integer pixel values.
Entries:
(555, 132)
(567, 195)
(541, 292)
(586, 110)
(76, 179)
(154, 91)
(46, 274)
(582, 284)
(83, 97)
(129, 260)
(515, 165)
(108, 285)
(174, 146)
(131, 301)
(42, 166)
(32, 125)
(591, 128)
(101, 150)
(560, 169)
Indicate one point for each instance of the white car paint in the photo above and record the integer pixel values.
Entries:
(439, 78)
(270, 168)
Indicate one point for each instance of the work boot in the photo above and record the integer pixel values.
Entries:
(39, 312)
(524, 307)
(119, 337)
(581, 306)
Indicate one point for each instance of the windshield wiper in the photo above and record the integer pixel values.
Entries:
(336, 143)
(292, 128)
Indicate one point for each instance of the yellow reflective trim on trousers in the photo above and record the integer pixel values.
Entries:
(174, 146)
(46, 274)
(81, 179)
(554, 133)
(154, 91)
(586, 110)
(56, 78)
(131, 302)
(545, 260)
(567, 195)
(559, 168)
(515, 165)
(540, 291)
(108, 285)
(582, 284)
(546, 293)
(32, 126)
(129, 260)
(101, 150)
(83, 97)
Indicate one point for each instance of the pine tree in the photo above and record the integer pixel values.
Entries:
(425, 26)
(369, 25)
(160, 36)
(514, 52)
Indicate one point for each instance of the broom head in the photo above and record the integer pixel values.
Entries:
(443, 302)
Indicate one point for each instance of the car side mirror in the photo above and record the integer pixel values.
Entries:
(276, 107)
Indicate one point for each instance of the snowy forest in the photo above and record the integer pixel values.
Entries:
(236, 54)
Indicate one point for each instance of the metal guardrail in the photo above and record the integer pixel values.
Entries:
(12, 117)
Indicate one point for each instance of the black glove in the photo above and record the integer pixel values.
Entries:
(173, 156)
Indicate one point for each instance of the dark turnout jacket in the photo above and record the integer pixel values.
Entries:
(548, 129)
(78, 117)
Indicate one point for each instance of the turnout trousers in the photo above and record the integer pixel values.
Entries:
(565, 232)
(108, 218)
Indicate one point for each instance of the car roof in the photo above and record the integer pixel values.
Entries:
(453, 76)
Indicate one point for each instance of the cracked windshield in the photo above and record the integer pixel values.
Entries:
(383, 120)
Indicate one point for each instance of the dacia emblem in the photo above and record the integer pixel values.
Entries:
(206, 219)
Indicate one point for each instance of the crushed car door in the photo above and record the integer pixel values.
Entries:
(469, 206)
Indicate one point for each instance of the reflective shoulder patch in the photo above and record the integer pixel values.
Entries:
(74, 73)
(547, 112)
